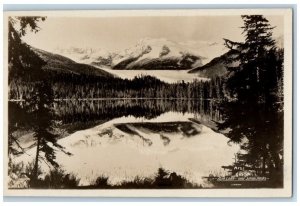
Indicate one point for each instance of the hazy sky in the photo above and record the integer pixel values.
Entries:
(118, 33)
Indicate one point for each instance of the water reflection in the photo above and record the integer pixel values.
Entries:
(89, 111)
(135, 137)
(128, 147)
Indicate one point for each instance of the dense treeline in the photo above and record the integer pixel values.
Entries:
(72, 86)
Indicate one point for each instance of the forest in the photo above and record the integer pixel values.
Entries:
(73, 86)
(249, 98)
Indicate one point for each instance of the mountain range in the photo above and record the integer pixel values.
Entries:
(149, 54)
(204, 59)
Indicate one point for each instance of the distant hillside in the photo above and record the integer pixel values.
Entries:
(216, 67)
(63, 64)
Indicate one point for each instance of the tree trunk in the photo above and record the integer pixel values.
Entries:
(264, 165)
(36, 165)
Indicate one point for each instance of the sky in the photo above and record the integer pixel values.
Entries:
(119, 33)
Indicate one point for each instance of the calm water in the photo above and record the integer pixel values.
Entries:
(169, 76)
(123, 139)
(89, 111)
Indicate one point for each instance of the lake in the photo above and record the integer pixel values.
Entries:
(128, 138)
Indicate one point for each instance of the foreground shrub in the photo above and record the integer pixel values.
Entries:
(101, 182)
(162, 180)
(56, 179)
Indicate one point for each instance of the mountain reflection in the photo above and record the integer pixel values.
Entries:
(91, 112)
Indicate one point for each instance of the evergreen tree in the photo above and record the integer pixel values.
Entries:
(248, 79)
(24, 65)
(25, 68)
(251, 113)
(21, 62)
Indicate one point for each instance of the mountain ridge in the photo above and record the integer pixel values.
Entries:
(149, 54)
(59, 63)
(217, 66)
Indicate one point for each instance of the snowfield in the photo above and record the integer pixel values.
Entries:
(139, 150)
(146, 48)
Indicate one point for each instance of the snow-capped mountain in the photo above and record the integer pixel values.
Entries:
(62, 64)
(87, 55)
(158, 54)
(150, 54)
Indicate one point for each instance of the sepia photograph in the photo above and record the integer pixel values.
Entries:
(177, 103)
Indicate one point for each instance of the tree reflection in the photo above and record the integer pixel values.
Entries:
(82, 114)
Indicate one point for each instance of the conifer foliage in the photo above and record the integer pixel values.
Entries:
(253, 110)
(25, 68)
